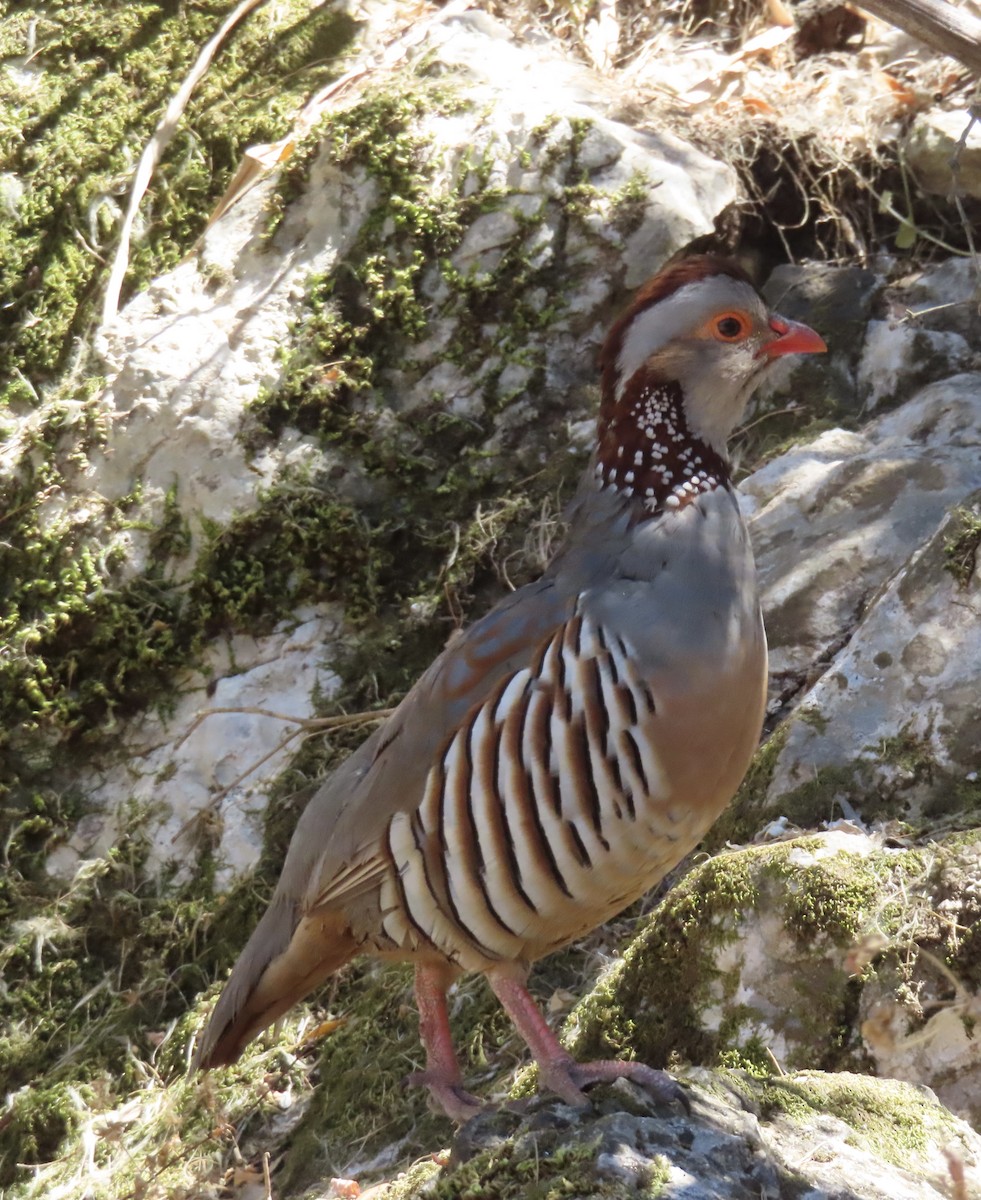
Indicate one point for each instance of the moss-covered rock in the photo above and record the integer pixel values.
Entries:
(793, 1135)
(333, 427)
(825, 952)
(334, 424)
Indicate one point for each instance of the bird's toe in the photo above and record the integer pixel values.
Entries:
(448, 1096)
(569, 1079)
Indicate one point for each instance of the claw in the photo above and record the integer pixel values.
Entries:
(447, 1096)
(577, 1076)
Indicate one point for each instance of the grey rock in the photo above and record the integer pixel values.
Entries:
(833, 520)
(899, 706)
(932, 144)
(898, 358)
(945, 297)
(840, 947)
(746, 1139)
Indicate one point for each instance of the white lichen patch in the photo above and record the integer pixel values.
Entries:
(192, 352)
(893, 350)
(206, 777)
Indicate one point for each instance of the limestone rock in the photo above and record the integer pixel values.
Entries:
(932, 143)
(894, 725)
(189, 772)
(835, 519)
(944, 298)
(829, 1137)
(817, 952)
(898, 359)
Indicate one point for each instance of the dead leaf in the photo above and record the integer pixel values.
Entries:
(863, 952)
(560, 1001)
(958, 1178)
(877, 1029)
(343, 1189)
(764, 42)
(247, 1183)
(723, 81)
(256, 162)
(716, 89)
(755, 104)
(779, 13)
(902, 94)
(322, 1030)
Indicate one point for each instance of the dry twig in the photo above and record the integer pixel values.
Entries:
(162, 135)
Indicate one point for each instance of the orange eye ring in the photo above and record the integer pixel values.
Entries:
(730, 327)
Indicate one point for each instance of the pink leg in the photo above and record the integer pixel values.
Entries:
(558, 1071)
(442, 1074)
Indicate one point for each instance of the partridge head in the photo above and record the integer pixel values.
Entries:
(573, 745)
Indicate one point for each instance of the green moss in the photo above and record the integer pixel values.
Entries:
(650, 1005)
(82, 647)
(751, 1056)
(816, 800)
(366, 1104)
(99, 78)
(90, 973)
(540, 1165)
(749, 809)
(400, 277)
(812, 716)
(831, 897)
(961, 547)
(895, 1121)
(673, 995)
(171, 539)
(630, 203)
(37, 1122)
(908, 751)
(955, 802)
(59, 616)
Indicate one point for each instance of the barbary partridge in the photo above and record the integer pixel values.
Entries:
(570, 748)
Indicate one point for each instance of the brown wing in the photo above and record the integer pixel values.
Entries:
(334, 859)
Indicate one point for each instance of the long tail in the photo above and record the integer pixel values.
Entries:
(283, 961)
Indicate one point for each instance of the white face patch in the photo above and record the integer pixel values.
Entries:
(679, 315)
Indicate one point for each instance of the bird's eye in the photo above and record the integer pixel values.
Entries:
(730, 327)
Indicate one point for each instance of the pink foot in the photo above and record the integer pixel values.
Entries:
(448, 1096)
(567, 1079)
(558, 1071)
(442, 1074)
